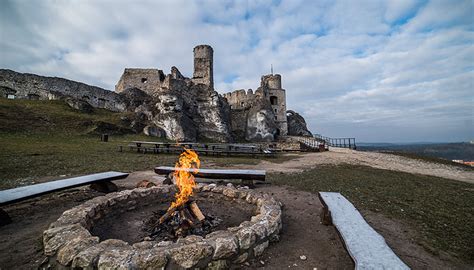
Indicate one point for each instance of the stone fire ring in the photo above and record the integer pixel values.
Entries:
(69, 239)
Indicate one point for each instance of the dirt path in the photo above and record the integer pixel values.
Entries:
(377, 160)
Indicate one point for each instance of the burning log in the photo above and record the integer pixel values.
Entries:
(196, 211)
(189, 211)
(167, 215)
(183, 215)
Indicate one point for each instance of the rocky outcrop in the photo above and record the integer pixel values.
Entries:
(296, 124)
(261, 124)
(79, 105)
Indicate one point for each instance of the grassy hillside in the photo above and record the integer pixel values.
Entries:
(39, 116)
(41, 140)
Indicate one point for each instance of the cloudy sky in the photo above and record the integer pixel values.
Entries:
(380, 71)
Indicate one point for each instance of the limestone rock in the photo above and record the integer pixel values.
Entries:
(154, 131)
(261, 124)
(242, 258)
(246, 237)
(116, 256)
(88, 258)
(79, 104)
(135, 97)
(190, 255)
(258, 250)
(67, 253)
(55, 238)
(218, 265)
(296, 124)
(138, 122)
(224, 243)
(150, 258)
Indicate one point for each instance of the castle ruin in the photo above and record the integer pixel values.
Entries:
(174, 106)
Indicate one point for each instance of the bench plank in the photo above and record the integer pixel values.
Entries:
(22, 193)
(220, 174)
(367, 248)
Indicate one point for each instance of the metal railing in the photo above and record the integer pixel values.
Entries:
(338, 142)
(309, 142)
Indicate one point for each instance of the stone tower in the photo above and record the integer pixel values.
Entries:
(277, 97)
(203, 65)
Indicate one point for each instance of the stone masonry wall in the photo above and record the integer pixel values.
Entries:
(30, 86)
(240, 99)
(147, 80)
(203, 65)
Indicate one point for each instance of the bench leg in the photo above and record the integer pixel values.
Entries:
(104, 187)
(4, 218)
(325, 215)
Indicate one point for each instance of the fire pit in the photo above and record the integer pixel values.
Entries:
(72, 240)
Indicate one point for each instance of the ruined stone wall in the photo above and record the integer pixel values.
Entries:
(240, 99)
(147, 80)
(30, 86)
(248, 111)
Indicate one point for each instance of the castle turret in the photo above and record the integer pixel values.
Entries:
(203, 65)
(277, 97)
(271, 81)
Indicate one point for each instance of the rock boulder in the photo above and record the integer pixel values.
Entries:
(296, 124)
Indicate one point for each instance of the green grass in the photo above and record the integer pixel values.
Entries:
(26, 158)
(441, 210)
(35, 116)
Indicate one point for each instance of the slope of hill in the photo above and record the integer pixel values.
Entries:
(40, 116)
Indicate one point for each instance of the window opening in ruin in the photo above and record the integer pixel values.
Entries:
(10, 96)
(275, 117)
(273, 100)
(242, 104)
(277, 133)
(275, 110)
(144, 80)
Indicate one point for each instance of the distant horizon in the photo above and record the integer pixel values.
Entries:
(411, 143)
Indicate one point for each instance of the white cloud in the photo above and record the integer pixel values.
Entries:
(352, 69)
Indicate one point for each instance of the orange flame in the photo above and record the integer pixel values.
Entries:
(187, 164)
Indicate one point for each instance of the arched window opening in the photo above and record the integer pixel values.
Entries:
(273, 100)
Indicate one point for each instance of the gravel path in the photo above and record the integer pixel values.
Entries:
(377, 160)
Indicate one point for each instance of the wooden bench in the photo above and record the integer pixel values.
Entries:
(366, 247)
(247, 176)
(99, 181)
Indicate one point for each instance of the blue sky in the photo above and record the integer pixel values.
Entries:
(391, 71)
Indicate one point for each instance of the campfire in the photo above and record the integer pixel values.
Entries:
(125, 230)
(184, 216)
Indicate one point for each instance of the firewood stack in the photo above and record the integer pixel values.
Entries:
(184, 218)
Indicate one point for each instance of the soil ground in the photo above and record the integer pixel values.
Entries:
(302, 234)
(230, 212)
